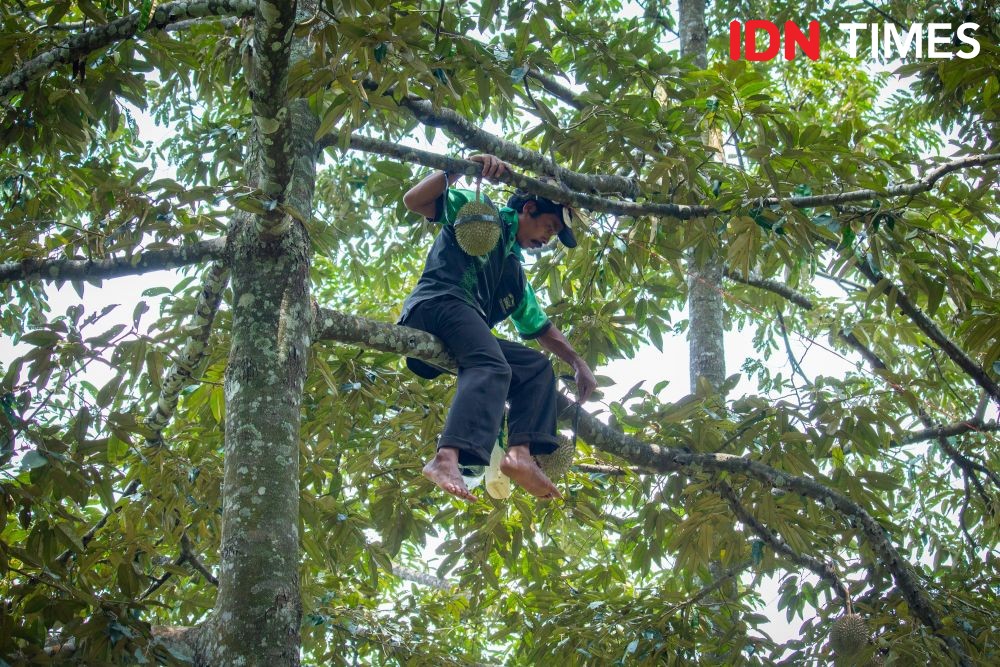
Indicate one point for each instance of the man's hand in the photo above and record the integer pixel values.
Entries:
(493, 166)
(586, 383)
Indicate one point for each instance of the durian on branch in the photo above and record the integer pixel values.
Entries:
(336, 326)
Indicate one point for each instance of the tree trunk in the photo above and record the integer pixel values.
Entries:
(704, 269)
(258, 610)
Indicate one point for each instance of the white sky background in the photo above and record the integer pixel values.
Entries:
(649, 364)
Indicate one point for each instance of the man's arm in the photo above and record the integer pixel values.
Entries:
(553, 341)
(423, 196)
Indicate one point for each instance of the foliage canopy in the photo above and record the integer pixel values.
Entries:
(106, 537)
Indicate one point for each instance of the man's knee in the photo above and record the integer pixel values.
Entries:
(541, 367)
(493, 365)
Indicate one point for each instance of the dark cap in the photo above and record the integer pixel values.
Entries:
(566, 233)
(567, 213)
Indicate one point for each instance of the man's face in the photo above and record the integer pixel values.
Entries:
(535, 232)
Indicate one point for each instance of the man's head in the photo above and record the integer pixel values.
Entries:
(539, 219)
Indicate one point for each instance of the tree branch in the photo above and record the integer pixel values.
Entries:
(174, 381)
(332, 325)
(189, 556)
(459, 166)
(925, 324)
(422, 579)
(77, 46)
(474, 137)
(708, 589)
(86, 539)
(225, 22)
(931, 432)
(801, 300)
(575, 198)
(268, 79)
(137, 264)
(823, 570)
(951, 430)
(923, 185)
(181, 373)
(557, 89)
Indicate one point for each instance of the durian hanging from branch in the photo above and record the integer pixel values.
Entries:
(477, 225)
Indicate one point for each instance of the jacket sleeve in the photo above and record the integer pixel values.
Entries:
(529, 318)
(446, 206)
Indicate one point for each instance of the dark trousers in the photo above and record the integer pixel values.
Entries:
(491, 372)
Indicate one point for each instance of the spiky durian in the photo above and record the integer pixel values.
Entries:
(849, 635)
(558, 463)
(477, 228)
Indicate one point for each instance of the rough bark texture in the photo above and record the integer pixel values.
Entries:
(181, 373)
(272, 37)
(258, 610)
(114, 267)
(705, 333)
(79, 45)
(475, 137)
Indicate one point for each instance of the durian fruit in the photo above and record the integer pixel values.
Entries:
(497, 483)
(558, 463)
(849, 635)
(477, 228)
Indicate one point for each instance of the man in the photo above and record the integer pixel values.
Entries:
(459, 298)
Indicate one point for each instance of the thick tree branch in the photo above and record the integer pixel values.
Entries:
(823, 570)
(557, 89)
(923, 185)
(77, 46)
(331, 325)
(268, 79)
(978, 374)
(181, 374)
(225, 22)
(459, 166)
(951, 430)
(575, 198)
(474, 137)
(139, 263)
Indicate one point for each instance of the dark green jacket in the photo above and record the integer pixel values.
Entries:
(495, 284)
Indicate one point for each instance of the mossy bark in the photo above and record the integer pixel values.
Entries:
(258, 610)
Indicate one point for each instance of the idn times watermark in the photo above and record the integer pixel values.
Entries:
(876, 41)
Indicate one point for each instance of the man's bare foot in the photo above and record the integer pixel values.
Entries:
(443, 471)
(520, 466)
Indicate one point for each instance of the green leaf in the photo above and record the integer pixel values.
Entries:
(41, 338)
(33, 459)
(218, 403)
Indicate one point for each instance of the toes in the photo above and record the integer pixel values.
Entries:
(458, 491)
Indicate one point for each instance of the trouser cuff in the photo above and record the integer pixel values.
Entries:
(538, 443)
(469, 453)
